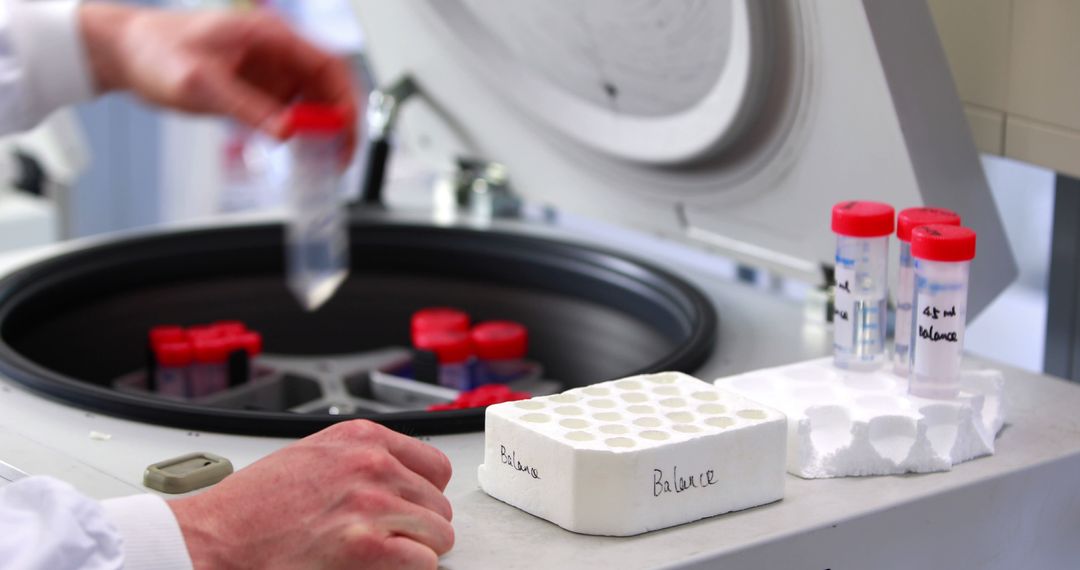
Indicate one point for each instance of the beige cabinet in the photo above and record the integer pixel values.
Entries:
(1017, 69)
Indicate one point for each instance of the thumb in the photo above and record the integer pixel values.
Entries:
(225, 94)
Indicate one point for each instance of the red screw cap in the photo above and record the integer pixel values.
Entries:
(912, 218)
(943, 243)
(857, 218)
(436, 319)
(173, 353)
(166, 333)
(451, 347)
(500, 340)
(252, 342)
(203, 331)
(229, 328)
(307, 118)
(212, 350)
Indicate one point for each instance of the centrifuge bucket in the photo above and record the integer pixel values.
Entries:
(73, 324)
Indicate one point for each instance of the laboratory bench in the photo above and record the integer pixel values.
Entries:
(1019, 508)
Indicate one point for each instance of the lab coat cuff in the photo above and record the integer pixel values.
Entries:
(48, 41)
(151, 535)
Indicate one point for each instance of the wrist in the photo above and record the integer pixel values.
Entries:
(103, 27)
(202, 540)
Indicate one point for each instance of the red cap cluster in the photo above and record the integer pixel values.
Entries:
(481, 397)
(943, 243)
(862, 219)
(912, 218)
(446, 332)
(176, 346)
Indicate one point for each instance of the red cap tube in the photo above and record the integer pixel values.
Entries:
(862, 219)
(166, 333)
(500, 340)
(451, 347)
(309, 118)
(227, 328)
(433, 319)
(943, 243)
(251, 342)
(912, 218)
(173, 353)
(211, 350)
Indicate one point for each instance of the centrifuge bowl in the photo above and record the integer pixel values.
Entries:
(70, 325)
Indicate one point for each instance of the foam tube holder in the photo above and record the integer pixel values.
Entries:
(844, 423)
(629, 456)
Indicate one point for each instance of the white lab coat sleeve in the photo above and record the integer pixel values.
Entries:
(152, 537)
(43, 62)
(46, 524)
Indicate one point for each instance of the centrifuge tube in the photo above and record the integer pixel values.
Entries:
(943, 257)
(908, 220)
(439, 319)
(209, 372)
(316, 236)
(862, 260)
(500, 348)
(454, 352)
(173, 364)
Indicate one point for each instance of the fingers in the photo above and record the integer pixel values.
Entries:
(425, 460)
(407, 554)
(317, 75)
(420, 491)
(320, 76)
(223, 93)
(403, 518)
(419, 457)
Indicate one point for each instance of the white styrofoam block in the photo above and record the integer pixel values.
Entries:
(843, 423)
(628, 456)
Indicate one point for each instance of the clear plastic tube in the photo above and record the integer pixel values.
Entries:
(317, 238)
(860, 302)
(905, 311)
(455, 375)
(500, 371)
(941, 313)
(208, 378)
(172, 381)
(907, 222)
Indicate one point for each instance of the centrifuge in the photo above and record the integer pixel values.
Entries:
(662, 150)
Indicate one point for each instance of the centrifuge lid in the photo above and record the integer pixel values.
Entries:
(733, 124)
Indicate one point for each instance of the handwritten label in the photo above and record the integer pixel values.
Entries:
(510, 460)
(843, 307)
(662, 484)
(939, 328)
(936, 313)
(936, 336)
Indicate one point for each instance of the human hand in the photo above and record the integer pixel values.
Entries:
(246, 65)
(355, 495)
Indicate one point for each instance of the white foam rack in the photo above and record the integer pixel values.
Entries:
(845, 423)
(625, 457)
